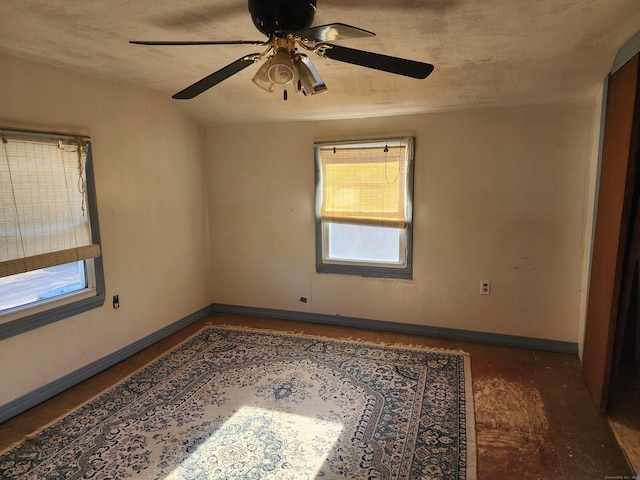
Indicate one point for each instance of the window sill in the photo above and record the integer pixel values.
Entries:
(34, 317)
(366, 271)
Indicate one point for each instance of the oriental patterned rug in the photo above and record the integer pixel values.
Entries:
(247, 404)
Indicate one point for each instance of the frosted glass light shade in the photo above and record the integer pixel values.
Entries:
(261, 78)
(280, 68)
(310, 81)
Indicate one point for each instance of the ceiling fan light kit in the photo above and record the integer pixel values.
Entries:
(287, 23)
(284, 71)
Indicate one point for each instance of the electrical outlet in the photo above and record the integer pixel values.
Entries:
(485, 287)
(116, 302)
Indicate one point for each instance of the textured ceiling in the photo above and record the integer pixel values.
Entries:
(486, 53)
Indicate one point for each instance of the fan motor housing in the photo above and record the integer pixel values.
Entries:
(271, 16)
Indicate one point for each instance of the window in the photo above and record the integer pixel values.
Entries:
(50, 266)
(363, 207)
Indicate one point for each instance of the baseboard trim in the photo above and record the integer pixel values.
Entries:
(438, 332)
(45, 392)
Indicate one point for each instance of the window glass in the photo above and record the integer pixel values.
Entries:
(363, 243)
(44, 284)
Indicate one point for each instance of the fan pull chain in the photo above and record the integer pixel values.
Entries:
(285, 96)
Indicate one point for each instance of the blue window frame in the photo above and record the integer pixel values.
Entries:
(50, 256)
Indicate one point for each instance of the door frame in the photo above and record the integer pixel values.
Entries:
(616, 195)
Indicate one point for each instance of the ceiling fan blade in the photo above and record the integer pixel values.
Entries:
(333, 32)
(204, 42)
(400, 66)
(216, 77)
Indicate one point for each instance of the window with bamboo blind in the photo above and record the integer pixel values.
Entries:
(49, 239)
(363, 207)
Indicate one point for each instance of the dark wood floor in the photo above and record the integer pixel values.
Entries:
(534, 416)
(624, 412)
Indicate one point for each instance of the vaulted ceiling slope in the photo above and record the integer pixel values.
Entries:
(486, 53)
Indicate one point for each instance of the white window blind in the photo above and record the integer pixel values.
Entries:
(44, 218)
(365, 185)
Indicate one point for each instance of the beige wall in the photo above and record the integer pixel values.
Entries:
(500, 195)
(148, 158)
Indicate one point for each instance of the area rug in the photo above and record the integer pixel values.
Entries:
(249, 404)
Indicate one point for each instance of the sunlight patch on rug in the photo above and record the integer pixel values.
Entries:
(247, 404)
(256, 441)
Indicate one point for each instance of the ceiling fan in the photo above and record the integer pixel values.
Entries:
(287, 24)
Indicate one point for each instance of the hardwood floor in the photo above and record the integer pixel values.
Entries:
(534, 416)
(624, 415)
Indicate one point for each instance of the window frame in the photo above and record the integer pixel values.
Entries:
(22, 319)
(363, 268)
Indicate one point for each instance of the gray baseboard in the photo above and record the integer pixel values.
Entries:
(45, 392)
(437, 332)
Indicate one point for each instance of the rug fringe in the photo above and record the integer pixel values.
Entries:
(349, 339)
